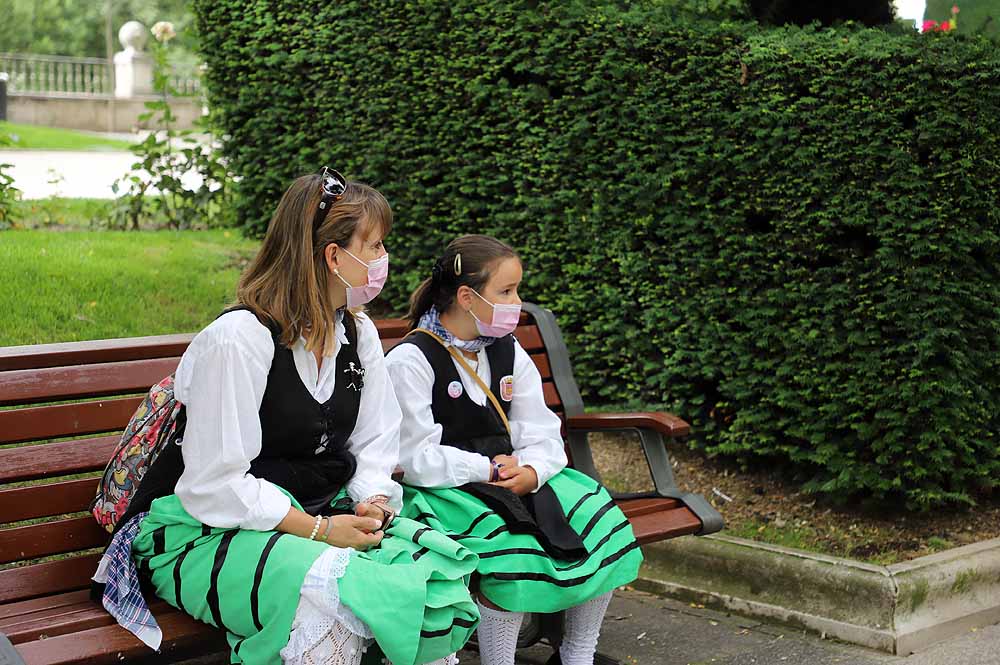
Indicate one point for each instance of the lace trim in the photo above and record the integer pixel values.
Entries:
(320, 610)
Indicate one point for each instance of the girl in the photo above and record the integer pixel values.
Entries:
(483, 458)
(273, 518)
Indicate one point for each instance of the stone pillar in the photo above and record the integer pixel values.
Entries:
(133, 67)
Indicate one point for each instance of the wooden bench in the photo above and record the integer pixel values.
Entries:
(68, 402)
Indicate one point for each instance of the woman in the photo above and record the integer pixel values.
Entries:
(274, 517)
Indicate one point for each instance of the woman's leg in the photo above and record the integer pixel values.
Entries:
(582, 628)
(497, 633)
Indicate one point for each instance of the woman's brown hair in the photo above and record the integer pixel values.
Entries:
(467, 261)
(288, 281)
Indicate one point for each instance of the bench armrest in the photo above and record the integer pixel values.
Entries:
(666, 424)
(652, 428)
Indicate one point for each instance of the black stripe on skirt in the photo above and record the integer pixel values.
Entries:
(543, 553)
(572, 511)
(476, 522)
(160, 540)
(213, 590)
(258, 576)
(596, 518)
(419, 532)
(464, 623)
(572, 581)
(205, 531)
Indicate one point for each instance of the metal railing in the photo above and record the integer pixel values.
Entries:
(62, 75)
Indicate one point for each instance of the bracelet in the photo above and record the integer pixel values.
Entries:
(495, 471)
(388, 515)
(312, 536)
(329, 528)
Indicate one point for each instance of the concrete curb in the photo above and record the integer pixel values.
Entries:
(901, 608)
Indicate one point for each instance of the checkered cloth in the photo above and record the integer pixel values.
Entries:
(122, 597)
(431, 320)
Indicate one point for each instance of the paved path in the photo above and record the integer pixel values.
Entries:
(644, 629)
(43, 173)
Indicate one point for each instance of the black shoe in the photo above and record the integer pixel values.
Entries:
(554, 659)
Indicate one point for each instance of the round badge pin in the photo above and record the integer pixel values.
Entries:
(455, 389)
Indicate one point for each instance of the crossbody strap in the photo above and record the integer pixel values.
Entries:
(461, 361)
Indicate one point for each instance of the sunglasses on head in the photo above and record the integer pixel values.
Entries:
(334, 186)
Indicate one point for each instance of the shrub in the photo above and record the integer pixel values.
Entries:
(788, 237)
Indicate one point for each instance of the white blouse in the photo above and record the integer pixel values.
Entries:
(221, 381)
(535, 430)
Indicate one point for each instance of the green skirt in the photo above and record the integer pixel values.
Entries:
(514, 572)
(411, 591)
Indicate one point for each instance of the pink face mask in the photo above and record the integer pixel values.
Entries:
(378, 272)
(504, 321)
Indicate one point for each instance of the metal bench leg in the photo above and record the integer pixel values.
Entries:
(8, 655)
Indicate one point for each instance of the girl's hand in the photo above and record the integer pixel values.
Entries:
(520, 480)
(360, 533)
(370, 510)
(506, 460)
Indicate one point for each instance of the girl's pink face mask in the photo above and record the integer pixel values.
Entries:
(503, 322)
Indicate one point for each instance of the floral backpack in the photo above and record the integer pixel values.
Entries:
(156, 423)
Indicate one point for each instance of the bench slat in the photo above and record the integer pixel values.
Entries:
(27, 503)
(110, 645)
(27, 386)
(59, 621)
(658, 526)
(636, 507)
(13, 612)
(45, 460)
(64, 354)
(551, 396)
(57, 537)
(44, 579)
(49, 422)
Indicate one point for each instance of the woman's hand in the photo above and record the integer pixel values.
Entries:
(520, 480)
(360, 533)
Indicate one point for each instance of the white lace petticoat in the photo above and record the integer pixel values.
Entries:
(316, 637)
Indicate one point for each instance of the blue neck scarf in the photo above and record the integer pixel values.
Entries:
(431, 320)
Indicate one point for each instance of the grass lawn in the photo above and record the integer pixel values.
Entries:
(61, 287)
(35, 137)
(61, 212)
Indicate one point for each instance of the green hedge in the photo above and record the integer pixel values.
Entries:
(788, 237)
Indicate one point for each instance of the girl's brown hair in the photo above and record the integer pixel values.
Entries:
(467, 261)
(288, 281)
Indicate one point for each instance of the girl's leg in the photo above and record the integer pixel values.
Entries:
(497, 633)
(583, 627)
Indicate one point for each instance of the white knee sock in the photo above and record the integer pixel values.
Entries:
(498, 635)
(583, 627)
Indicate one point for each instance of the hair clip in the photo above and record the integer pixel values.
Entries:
(458, 265)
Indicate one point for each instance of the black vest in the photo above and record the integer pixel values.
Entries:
(293, 453)
(478, 428)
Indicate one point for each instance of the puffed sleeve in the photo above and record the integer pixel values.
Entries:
(375, 440)
(425, 462)
(535, 431)
(221, 381)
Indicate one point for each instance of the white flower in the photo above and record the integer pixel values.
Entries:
(163, 31)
